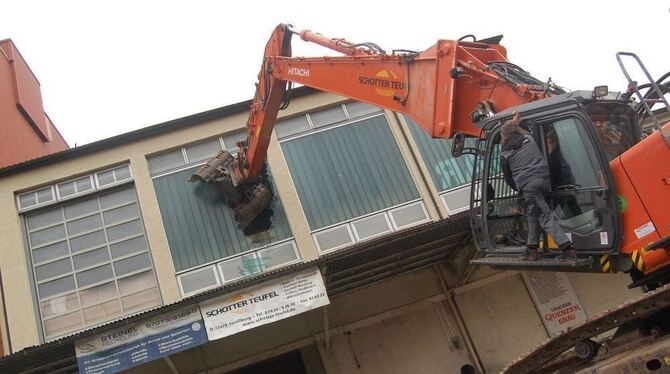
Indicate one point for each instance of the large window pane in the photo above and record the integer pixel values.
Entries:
(198, 280)
(230, 141)
(291, 126)
(53, 269)
(55, 287)
(47, 235)
(50, 252)
(129, 246)
(136, 282)
(279, 255)
(446, 171)
(98, 294)
(122, 173)
(140, 301)
(357, 109)
(239, 267)
(93, 294)
(201, 227)
(84, 224)
(102, 312)
(121, 214)
(166, 161)
(348, 171)
(94, 275)
(105, 177)
(116, 198)
(124, 230)
(61, 325)
(568, 143)
(328, 116)
(131, 264)
(81, 208)
(66, 189)
(45, 195)
(28, 199)
(83, 184)
(90, 258)
(59, 305)
(45, 218)
(94, 239)
(203, 151)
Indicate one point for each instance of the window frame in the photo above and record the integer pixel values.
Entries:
(37, 203)
(76, 192)
(55, 194)
(39, 301)
(113, 170)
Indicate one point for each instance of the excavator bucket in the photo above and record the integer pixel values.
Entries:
(219, 171)
(257, 199)
(248, 200)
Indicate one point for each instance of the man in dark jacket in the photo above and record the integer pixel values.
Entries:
(525, 170)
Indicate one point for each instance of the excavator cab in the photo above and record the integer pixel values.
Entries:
(583, 194)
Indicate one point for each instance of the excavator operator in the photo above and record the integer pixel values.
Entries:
(525, 170)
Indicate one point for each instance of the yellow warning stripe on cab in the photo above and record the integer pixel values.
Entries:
(636, 256)
(605, 264)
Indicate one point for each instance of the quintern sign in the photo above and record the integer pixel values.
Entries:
(265, 303)
(121, 349)
(555, 300)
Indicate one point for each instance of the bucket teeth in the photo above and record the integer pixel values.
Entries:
(219, 166)
(219, 171)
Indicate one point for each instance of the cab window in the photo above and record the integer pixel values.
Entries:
(571, 158)
(614, 126)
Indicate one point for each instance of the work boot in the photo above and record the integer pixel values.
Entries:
(530, 254)
(567, 253)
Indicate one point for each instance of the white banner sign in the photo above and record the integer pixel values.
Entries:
(555, 299)
(262, 304)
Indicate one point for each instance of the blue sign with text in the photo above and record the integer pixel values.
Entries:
(139, 343)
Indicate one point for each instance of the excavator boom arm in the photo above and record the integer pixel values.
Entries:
(438, 88)
(446, 89)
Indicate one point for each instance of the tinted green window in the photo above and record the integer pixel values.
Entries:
(199, 225)
(348, 171)
(447, 172)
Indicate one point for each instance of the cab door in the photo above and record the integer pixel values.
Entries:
(582, 194)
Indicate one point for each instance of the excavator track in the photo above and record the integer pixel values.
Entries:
(631, 311)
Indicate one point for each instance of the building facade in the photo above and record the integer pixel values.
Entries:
(106, 235)
(27, 130)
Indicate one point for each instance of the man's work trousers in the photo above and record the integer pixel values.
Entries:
(539, 214)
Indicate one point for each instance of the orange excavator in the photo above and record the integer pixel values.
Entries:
(610, 192)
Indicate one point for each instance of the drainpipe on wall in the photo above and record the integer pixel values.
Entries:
(4, 314)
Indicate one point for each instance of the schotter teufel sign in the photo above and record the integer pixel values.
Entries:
(263, 304)
(135, 344)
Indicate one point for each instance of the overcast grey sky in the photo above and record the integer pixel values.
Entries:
(108, 67)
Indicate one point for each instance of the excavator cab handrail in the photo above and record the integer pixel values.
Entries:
(632, 85)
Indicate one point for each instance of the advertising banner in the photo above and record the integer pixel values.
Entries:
(555, 300)
(264, 303)
(140, 342)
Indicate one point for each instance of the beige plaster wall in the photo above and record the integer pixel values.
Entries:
(416, 342)
(501, 320)
(21, 313)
